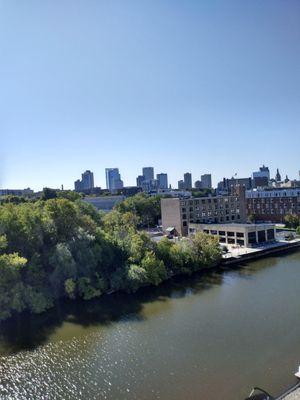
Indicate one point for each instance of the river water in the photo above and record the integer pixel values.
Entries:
(206, 337)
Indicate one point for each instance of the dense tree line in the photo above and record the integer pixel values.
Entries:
(60, 247)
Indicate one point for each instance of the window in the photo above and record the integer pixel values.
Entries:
(252, 237)
(261, 236)
(239, 234)
(222, 233)
(230, 233)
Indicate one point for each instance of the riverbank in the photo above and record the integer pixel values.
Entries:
(238, 255)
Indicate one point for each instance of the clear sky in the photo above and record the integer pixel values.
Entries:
(200, 86)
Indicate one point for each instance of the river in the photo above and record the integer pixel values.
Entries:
(205, 337)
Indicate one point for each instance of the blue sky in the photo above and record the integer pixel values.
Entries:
(200, 86)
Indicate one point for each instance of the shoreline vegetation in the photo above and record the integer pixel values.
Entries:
(60, 247)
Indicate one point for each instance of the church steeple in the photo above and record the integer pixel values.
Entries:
(278, 176)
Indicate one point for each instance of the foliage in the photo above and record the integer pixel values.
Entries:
(63, 248)
(202, 192)
(49, 194)
(292, 220)
(145, 207)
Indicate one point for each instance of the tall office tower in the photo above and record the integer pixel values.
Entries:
(148, 173)
(139, 181)
(87, 180)
(113, 179)
(187, 178)
(206, 181)
(162, 181)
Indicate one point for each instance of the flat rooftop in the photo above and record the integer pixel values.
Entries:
(235, 225)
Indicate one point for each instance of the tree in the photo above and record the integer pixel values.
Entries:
(145, 207)
(292, 220)
(49, 194)
(11, 286)
(155, 269)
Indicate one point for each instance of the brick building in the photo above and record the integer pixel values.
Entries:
(179, 213)
(273, 204)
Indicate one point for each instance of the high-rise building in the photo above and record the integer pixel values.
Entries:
(148, 173)
(162, 181)
(206, 181)
(187, 178)
(139, 181)
(86, 183)
(113, 179)
(181, 185)
(87, 180)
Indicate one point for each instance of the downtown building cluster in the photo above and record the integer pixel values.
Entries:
(265, 198)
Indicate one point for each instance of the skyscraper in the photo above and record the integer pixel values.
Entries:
(113, 179)
(86, 183)
(148, 173)
(87, 180)
(187, 178)
(162, 181)
(206, 181)
(139, 181)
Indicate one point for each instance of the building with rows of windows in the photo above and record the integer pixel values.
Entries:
(246, 235)
(180, 213)
(273, 204)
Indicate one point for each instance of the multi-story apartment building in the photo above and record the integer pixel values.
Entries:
(179, 213)
(272, 204)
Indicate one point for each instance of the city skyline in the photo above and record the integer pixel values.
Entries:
(213, 86)
(272, 175)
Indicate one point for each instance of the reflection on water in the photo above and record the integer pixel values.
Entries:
(209, 336)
